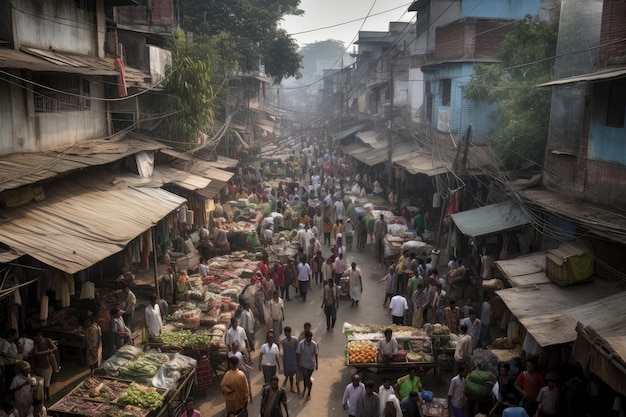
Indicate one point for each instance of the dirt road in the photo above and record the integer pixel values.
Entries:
(332, 376)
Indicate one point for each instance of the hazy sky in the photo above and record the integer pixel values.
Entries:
(322, 13)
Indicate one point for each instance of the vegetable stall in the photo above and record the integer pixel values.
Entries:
(132, 383)
(416, 347)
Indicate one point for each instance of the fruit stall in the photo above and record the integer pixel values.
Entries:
(132, 383)
(416, 347)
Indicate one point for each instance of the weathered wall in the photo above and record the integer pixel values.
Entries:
(514, 9)
(606, 183)
(58, 25)
(23, 130)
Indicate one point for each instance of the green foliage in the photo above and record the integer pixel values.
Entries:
(526, 57)
(329, 49)
(252, 24)
(193, 83)
(281, 58)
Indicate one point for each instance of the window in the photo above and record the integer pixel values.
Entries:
(60, 92)
(446, 88)
(616, 110)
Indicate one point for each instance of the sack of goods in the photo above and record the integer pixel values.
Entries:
(478, 385)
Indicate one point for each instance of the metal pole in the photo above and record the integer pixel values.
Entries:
(156, 265)
(446, 202)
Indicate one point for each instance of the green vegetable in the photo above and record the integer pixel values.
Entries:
(184, 338)
(141, 397)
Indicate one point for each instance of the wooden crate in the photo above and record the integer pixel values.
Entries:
(559, 265)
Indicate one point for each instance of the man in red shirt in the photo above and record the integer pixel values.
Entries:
(528, 384)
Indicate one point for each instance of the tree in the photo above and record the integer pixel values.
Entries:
(282, 59)
(328, 50)
(193, 86)
(253, 26)
(527, 59)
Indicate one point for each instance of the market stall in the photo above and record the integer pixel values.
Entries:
(416, 348)
(132, 383)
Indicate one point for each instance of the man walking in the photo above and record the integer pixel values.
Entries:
(398, 307)
(235, 388)
(368, 403)
(356, 283)
(272, 398)
(307, 356)
(330, 303)
(456, 403)
(290, 362)
(351, 395)
(380, 230)
(304, 278)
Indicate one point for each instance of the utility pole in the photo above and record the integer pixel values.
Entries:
(388, 114)
(446, 202)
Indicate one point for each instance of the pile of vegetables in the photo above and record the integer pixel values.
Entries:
(142, 397)
(361, 351)
(141, 369)
(184, 338)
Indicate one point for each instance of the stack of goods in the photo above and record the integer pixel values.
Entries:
(186, 318)
(414, 344)
(361, 351)
(183, 338)
(142, 397)
(108, 396)
(218, 351)
(421, 350)
(436, 407)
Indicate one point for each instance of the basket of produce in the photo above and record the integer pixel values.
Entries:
(362, 351)
(101, 389)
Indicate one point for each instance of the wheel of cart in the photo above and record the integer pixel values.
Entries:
(344, 287)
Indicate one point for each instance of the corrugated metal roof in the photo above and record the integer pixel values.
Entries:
(83, 221)
(17, 170)
(55, 61)
(592, 76)
(525, 270)
(347, 132)
(490, 219)
(415, 162)
(183, 179)
(355, 148)
(605, 315)
(213, 190)
(370, 137)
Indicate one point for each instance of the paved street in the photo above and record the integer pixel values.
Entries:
(332, 376)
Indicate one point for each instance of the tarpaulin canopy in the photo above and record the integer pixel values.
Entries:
(84, 221)
(490, 219)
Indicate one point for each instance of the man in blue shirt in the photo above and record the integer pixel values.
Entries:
(512, 410)
(412, 405)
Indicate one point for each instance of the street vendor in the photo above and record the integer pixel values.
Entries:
(221, 237)
(387, 347)
(154, 322)
(408, 383)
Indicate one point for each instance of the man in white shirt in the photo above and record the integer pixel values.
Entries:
(455, 394)
(387, 347)
(339, 210)
(351, 395)
(154, 323)
(398, 307)
(237, 334)
(384, 392)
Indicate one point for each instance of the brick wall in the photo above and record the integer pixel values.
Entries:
(613, 28)
(606, 183)
(470, 38)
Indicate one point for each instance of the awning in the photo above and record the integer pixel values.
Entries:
(347, 132)
(83, 221)
(490, 219)
(183, 179)
(605, 315)
(355, 148)
(593, 217)
(212, 190)
(592, 76)
(603, 353)
(21, 169)
(370, 137)
(525, 270)
(417, 163)
(54, 61)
